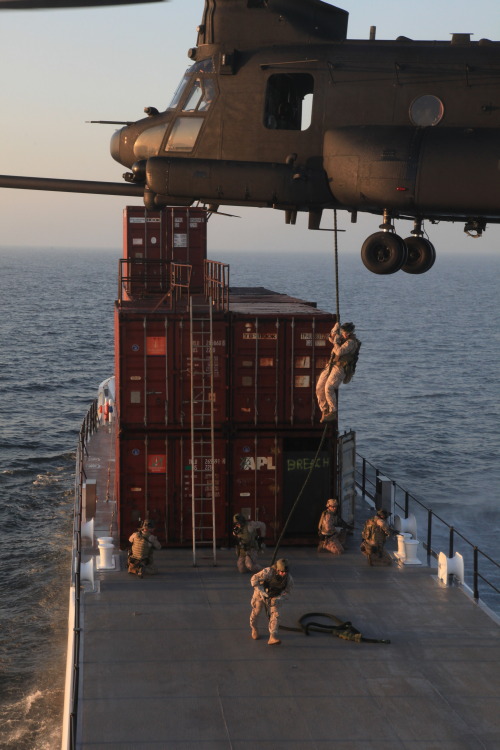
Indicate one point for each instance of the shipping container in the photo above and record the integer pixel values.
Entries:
(153, 368)
(186, 240)
(155, 480)
(264, 370)
(275, 365)
(259, 475)
(152, 241)
(216, 404)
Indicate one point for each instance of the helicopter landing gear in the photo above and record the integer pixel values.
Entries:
(384, 252)
(421, 255)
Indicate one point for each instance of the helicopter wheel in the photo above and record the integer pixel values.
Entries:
(384, 253)
(421, 255)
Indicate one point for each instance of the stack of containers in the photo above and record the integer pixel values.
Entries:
(268, 350)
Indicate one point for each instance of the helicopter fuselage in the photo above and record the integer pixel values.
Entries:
(279, 109)
(409, 127)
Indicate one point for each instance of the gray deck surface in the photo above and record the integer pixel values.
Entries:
(168, 661)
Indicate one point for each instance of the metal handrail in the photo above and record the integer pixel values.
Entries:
(87, 429)
(216, 283)
(365, 483)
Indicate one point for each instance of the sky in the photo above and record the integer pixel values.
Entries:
(60, 68)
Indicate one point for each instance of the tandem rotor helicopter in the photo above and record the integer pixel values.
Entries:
(279, 109)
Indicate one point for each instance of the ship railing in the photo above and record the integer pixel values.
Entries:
(140, 279)
(216, 283)
(439, 534)
(89, 426)
(180, 279)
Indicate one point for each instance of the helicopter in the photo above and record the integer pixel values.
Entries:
(279, 109)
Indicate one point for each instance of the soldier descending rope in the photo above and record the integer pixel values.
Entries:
(340, 368)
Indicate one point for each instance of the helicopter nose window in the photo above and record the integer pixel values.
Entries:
(148, 142)
(184, 134)
(289, 101)
(426, 111)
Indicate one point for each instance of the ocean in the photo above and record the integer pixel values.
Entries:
(424, 403)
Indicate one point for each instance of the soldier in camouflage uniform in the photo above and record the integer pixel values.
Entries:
(344, 354)
(375, 533)
(271, 588)
(330, 528)
(250, 535)
(140, 559)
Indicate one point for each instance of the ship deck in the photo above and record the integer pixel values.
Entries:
(168, 662)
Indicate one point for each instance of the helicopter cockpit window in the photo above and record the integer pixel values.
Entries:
(289, 101)
(205, 66)
(179, 92)
(426, 111)
(201, 96)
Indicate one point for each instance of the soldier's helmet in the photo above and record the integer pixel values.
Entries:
(281, 564)
(382, 513)
(239, 518)
(332, 503)
(347, 327)
(147, 526)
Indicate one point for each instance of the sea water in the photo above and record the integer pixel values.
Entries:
(424, 404)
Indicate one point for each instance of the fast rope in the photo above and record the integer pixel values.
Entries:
(330, 365)
(344, 630)
(336, 627)
(336, 249)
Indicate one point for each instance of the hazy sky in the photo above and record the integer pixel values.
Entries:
(61, 68)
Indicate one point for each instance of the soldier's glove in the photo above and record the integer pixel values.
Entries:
(263, 592)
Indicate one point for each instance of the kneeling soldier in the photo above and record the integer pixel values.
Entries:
(140, 559)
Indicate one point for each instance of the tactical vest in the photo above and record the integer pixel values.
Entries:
(349, 360)
(246, 539)
(141, 547)
(373, 533)
(328, 522)
(276, 585)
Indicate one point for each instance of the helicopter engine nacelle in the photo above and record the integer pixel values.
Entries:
(432, 171)
(235, 183)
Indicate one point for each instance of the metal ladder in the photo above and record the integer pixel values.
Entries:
(202, 427)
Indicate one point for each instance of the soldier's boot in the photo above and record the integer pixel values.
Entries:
(329, 417)
(255, 634)
(273, 641)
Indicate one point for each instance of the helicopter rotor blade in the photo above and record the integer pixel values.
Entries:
(55, 4)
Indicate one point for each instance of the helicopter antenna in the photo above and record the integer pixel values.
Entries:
(109, 122)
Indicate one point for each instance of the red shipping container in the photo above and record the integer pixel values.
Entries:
(267, 474)
(259, 475)
(143, 234)
(153, 369)
(275, 365)
(154, 480)
(187, 241)
(153, 240)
